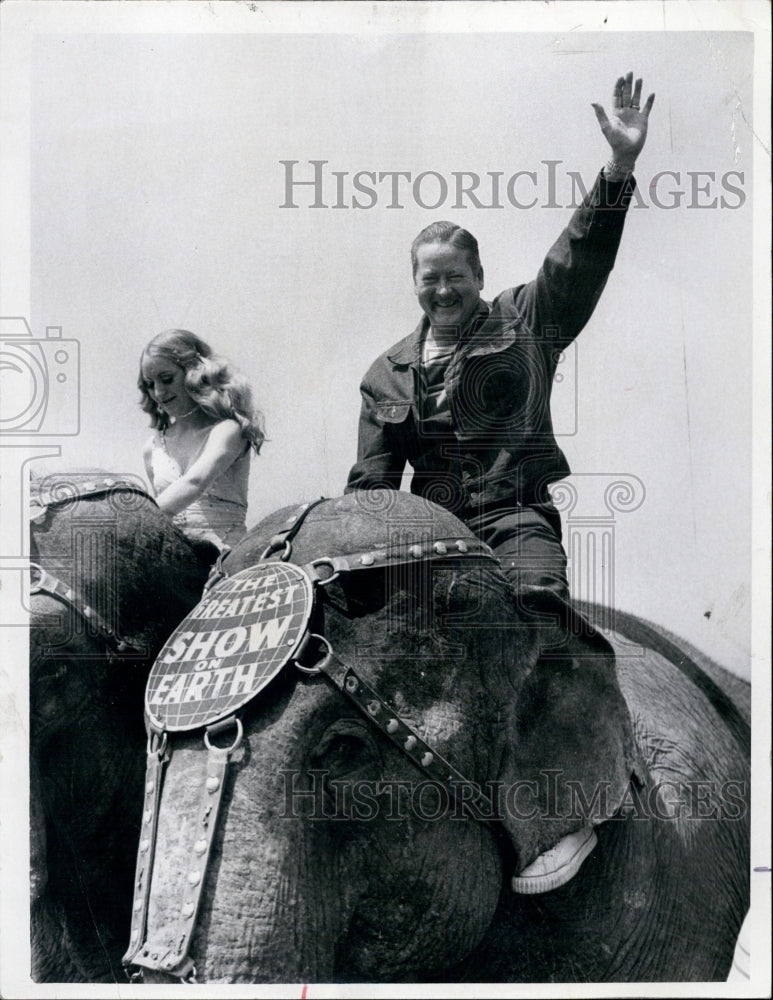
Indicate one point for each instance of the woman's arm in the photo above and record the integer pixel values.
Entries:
(224, 445)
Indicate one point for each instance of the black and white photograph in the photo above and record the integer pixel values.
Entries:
(385, 491)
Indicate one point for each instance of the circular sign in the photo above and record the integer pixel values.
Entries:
(230, 646)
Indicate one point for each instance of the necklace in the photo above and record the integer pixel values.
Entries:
(181, 416)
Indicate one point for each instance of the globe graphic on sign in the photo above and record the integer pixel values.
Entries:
(233, 643)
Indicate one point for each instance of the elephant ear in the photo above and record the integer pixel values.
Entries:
(571, 751)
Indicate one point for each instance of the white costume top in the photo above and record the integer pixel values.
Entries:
(219, 515)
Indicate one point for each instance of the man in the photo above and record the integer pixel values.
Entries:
(465, 398)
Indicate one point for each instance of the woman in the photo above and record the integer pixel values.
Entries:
(198, 459)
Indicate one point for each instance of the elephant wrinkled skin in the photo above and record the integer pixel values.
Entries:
(126, 560)
(330, 862)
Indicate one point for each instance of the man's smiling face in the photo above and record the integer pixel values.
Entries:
(446, 284)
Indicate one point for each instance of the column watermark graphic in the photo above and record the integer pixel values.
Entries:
(39, 403)
(590, 504)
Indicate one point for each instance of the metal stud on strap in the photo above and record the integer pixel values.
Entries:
(70, 491)
(171, 955)
(156, 759)
(386, 719)
(169, 952)
(445, 551)
(43, 582)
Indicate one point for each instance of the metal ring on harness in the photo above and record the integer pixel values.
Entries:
(157, 742)
(244, 632)
(274, 545)
(218, 727)
(36, 587)
(283, 539)
(334, 574)
(217, 573)
(320, 666)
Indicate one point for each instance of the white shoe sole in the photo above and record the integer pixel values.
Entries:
(529, 885)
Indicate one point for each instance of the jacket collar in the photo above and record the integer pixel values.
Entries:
(480, 337)
(408, 350)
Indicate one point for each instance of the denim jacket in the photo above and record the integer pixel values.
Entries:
(502, 450)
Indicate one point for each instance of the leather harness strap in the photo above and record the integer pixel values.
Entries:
(446, 551)
(283, 539)
(157, 759)
(167, 949)
(280, 542)
(43, 582)
(170, 952)
(378, 712)
(68, 491)
(178, 961)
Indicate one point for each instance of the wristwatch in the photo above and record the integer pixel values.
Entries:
(614, 171)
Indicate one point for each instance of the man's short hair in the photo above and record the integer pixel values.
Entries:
(447, 232)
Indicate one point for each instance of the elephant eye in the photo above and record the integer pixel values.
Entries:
(345, 749)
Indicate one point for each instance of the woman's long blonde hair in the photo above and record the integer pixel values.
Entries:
(212, 383)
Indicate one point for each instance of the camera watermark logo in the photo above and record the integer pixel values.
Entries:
(39, 381)
(39, 398)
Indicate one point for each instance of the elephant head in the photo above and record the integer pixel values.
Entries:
(111, 579)
(340, 853)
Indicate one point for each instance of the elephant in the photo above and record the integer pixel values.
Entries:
(111, 577)
(417, 735)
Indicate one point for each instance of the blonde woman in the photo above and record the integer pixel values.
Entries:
(205, 427)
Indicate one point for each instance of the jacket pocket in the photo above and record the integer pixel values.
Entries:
(393, 413)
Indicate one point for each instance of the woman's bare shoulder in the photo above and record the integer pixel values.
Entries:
(226, 428)
(226, 434)
(150, 443)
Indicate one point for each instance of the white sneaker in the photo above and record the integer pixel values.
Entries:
(556, 866)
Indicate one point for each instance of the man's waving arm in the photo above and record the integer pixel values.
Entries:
(576, 268)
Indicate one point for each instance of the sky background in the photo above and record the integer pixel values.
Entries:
(156, 194)
(141, 188)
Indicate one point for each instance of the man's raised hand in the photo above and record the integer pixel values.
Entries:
(626, 128)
